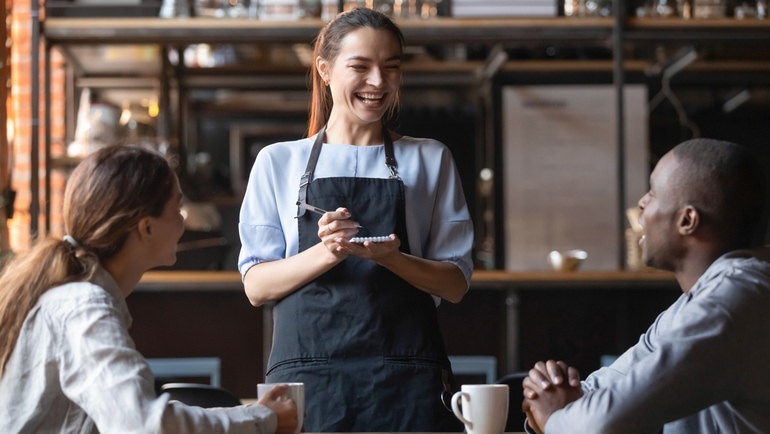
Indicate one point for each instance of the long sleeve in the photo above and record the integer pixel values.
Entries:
(699, 368)
(103, 374)
(75, 370)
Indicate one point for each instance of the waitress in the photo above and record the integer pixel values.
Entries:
(356, 234)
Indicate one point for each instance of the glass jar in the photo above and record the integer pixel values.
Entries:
(708, 8)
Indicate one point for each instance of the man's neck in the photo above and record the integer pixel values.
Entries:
(696, 262)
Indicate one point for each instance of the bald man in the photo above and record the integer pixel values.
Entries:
(704, 364)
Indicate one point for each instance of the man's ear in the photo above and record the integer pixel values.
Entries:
(689, 220)
(144, 229)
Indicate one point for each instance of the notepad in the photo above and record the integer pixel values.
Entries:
(372, 239)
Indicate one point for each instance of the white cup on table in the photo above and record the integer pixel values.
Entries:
(484, 407)
(296, 392)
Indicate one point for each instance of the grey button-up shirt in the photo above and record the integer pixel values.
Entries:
(703, 367)
(75, 370)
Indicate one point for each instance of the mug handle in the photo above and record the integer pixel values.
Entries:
(456, 409)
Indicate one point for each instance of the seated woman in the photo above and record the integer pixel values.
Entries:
(67, 362)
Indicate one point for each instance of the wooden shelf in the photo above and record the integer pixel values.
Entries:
(65, 162)
(692, 30)
(154, 281)
(689, 24)
(576, 279)
(234, 31)
(434, 31)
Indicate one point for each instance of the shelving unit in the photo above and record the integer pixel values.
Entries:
(611, 32)
(71, 32)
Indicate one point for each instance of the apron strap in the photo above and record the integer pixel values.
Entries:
(390, 161)
(308, 175)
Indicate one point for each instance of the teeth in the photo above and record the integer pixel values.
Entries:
(370, 96)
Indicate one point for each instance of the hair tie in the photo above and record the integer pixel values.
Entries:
(72, 241)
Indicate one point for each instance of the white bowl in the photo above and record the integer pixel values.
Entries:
(568, 260)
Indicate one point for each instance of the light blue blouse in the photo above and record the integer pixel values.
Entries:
(437, 219)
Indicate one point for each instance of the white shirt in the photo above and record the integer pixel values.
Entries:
(75, 370)
(437, 219)
(703, 367)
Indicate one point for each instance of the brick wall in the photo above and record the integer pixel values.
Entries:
(21, 116)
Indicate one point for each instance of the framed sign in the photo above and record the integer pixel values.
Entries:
(248, 139)
(560, 174)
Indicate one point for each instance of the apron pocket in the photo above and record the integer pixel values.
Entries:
(297, 363)
(416, 361)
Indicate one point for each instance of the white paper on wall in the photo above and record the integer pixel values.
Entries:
(560, 171)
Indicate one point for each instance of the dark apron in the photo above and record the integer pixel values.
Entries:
(365, 342)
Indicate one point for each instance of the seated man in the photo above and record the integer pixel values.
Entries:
(704, 364)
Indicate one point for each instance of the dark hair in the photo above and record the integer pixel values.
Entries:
(327, 46)
(727, 185)
(106, 196)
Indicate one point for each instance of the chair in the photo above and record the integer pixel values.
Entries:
(516, 417)
(200, 395)
(176, 370)
(484, 366)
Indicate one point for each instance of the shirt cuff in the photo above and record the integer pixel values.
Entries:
(528, 429)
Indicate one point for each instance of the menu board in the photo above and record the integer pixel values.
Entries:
(560, 171)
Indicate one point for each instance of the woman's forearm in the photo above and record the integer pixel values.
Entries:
(274, 280)
(442, 279)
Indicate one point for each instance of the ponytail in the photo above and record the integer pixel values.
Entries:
(26, 277)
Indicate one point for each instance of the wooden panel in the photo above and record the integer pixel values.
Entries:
(581, 326)
(475, 326)
(202, 324)
(575, 316)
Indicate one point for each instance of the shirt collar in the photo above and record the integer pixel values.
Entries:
(759, 256)
(105, 280)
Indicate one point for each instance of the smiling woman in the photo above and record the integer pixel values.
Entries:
(67, 362)
(356, 287)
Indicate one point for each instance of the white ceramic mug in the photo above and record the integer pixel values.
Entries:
(484, 407)
(296, 392)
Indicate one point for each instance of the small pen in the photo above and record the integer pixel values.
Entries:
(312, 208)
(316, 210)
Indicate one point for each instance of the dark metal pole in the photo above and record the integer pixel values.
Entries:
(34, 181)
(618, 78)
(47, 120)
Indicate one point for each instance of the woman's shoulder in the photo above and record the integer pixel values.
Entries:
(281, 151)
(288, 145)
(62, 301)
(74, 293)
(422, 147)
(422, 143)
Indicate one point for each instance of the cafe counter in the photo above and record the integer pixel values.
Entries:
(515, 317)
(482, 279)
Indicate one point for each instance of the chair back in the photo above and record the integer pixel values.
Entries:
(200, 395)
(516, 417)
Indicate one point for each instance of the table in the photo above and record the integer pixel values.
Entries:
(254, 401)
